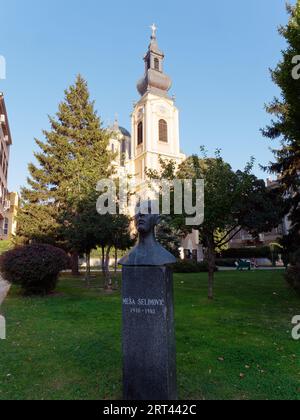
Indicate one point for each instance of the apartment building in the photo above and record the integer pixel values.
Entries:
(5, 143)
(10, 220)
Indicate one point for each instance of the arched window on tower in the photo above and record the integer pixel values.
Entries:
(156, 64)
(148, 62)
(163, 131)
(140, 137)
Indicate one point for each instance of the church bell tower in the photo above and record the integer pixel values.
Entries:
(155, 118)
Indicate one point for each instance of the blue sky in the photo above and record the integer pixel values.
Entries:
(217, 53)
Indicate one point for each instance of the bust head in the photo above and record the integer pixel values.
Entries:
(148, 251)
(145, 220)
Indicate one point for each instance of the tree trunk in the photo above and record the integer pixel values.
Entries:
(103, 262)
(116, 268)
(75, 263)
(88, 268)
(108, 279)
(211, 259)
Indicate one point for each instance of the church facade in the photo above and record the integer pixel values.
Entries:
(154, 122)
(154, 134)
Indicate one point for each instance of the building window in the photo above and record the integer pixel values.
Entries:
(123, 146)
(188, 255)
(156, 64)
(140, 133)
(163, 131)
(5, 227)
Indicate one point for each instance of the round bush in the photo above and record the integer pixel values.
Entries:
(34, 267)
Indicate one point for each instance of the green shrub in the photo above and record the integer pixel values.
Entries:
(34, 267)
(186, 266)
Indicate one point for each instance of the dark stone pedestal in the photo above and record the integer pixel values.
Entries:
(148, 334)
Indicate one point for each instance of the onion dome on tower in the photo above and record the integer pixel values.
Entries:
(154, 80)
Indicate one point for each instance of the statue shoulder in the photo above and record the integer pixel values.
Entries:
(155, 256)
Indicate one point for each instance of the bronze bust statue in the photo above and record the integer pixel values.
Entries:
(148, 252)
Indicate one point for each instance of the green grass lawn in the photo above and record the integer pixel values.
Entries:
(5, 246)
(237, 347)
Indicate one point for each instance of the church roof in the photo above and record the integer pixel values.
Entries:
(124, 132)
(115, 128)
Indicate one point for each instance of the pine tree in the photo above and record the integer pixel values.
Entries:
(70, 162)
(286, 126)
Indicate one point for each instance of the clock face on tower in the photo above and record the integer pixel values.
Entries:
(162, 111)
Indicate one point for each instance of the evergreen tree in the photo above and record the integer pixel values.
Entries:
(286, 126)
(70, 162)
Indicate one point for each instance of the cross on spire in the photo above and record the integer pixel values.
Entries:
(154, 30)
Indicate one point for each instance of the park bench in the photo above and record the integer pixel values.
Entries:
(243, 265)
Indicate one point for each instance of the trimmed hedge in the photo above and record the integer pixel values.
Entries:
(34, 267)
(186, 266)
